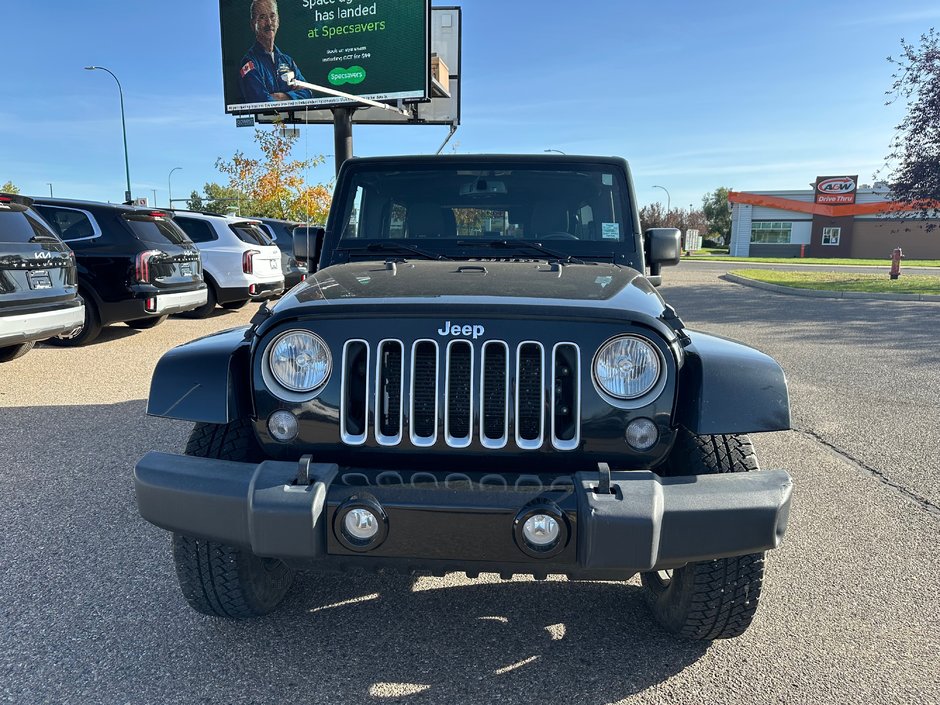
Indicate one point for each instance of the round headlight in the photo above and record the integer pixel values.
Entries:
(300, 361)
(627, 367)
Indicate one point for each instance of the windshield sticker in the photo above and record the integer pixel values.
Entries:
(610, 231)
(603, 281)
(607, 179)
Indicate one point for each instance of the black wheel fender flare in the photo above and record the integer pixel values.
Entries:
(726, 387)
(204, 380)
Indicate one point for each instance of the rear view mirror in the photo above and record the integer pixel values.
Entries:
(663, 248)
(308, 243)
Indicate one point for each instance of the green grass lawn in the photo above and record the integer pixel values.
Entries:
(835, 281)
(886, 263)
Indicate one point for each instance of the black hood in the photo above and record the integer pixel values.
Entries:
(488, 283)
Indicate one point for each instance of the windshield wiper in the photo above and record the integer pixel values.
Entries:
(395, 247)
(517, 244)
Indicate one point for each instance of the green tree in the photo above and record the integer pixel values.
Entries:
(275, 185)
(195, 202)
(914, 158)
(9, 187)
(717, 212)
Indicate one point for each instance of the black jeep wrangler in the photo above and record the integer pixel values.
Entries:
(480, 377)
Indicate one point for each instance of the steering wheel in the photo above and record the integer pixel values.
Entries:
(559, 236)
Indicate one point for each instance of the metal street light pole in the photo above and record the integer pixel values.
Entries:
(127, 168)
(169, 185)
(668, 199)
(554, 150)
(50, 189)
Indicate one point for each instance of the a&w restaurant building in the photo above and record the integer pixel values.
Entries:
(836, 218)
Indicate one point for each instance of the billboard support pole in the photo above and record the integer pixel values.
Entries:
(342, 135)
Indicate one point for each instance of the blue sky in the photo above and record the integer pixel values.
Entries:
(695, 95)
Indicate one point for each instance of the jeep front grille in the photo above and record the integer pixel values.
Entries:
(466, 391)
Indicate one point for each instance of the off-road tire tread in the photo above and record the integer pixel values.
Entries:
(215, 579)
(721, 595)
(231, 441)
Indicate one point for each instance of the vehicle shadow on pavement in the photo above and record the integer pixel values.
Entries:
(429, 640)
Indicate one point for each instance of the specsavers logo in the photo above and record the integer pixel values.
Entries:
(340, 76)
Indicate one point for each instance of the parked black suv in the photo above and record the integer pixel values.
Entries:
(38, 288)
(135, 266)
(282, 232)
(480, 377)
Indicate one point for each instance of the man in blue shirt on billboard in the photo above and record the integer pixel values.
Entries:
(265, 72)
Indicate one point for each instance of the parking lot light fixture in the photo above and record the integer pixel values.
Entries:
(169, 185)
(127, 168)
(668, 199)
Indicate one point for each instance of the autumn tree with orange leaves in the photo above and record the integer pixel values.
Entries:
(274, 185)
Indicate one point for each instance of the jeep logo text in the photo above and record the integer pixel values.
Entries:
(474, 331)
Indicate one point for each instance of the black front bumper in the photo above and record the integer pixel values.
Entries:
(442, 522)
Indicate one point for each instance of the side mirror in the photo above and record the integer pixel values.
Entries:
(663, 248)
(308, 244)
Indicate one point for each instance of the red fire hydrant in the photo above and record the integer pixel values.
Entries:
(896, 258)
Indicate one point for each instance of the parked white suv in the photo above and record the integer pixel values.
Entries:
(240, 262)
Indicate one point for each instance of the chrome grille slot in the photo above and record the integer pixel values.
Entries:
(494, 395)
(566, 396)
(389, 388)
(354, 400)
(393, 384)
(424, 391)
(458, 404)
(530, 395)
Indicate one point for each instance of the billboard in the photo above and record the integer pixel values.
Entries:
(836, 190)
(377, 49)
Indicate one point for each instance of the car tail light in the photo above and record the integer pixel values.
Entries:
(248, 261)
(142, 265)
(151, 304)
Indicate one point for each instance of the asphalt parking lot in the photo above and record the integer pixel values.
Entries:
(90, 610)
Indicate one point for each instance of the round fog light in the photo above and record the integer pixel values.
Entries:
(360, 524)
(283, 425)
(541, 531)
(642, 434)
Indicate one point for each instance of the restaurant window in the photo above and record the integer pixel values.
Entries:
(771, 233)
(830, 236)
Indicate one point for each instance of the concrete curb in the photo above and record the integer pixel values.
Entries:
(818, 294)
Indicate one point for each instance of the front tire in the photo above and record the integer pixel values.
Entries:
(710, 599)
(220, 580)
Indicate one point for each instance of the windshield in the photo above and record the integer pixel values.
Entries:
(579, 209)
